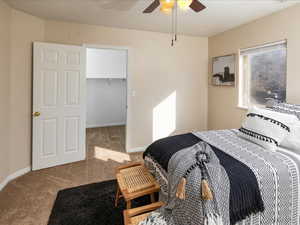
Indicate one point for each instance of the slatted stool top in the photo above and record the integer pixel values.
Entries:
(134, 179)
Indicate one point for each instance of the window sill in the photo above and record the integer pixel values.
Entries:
(243, 107)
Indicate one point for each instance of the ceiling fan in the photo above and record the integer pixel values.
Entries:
(171, 6)
(168, 5)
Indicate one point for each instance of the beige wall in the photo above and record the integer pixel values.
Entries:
(222, 101)
(5, 15)
(25, 29)
(155, 71)
(17, 32)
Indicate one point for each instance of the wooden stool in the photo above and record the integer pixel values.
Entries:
(134, 180)
(136, 215)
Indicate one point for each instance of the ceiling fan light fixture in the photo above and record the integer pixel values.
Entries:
(166, 10)
(166, 5)
(184, 4)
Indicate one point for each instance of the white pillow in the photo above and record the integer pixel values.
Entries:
(266, 128)
(292, 140)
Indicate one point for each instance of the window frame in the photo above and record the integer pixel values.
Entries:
(245, 85)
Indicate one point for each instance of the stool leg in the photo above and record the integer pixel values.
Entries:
(126, 217)
(128, 204)
(152, 197)
(117, 197)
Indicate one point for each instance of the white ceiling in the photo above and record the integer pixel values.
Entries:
(219, 16)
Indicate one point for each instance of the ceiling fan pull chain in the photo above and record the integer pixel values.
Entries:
(176, 19)
(173, 30)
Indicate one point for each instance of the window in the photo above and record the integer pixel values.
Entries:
(263, 74)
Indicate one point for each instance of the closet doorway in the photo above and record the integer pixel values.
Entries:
(106, 93)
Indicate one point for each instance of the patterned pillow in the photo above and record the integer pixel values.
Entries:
(266, 128)
(284, 107)
(292, 141)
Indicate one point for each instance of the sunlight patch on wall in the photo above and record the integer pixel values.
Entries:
(107, 154)
(164, 117)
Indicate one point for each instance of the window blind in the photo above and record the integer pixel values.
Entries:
(265, 48)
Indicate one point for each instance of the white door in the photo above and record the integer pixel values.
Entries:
(58, 105)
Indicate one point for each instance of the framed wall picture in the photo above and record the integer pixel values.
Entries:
(223, 71)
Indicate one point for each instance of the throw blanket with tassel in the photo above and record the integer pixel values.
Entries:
(275, 176)
(197, 183)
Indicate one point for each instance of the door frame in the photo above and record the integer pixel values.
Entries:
(129, 51)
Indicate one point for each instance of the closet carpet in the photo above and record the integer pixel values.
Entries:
(29, 199)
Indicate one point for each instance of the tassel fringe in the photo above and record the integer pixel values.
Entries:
(258, 136)
(181, 189)
(154, 218)
(271, 120)
(213, 219)
(206, 193)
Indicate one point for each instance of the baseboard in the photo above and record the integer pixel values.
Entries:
(14, 176)
(106, 125)
(138, 149)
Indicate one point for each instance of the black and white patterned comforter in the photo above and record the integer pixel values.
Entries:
(277, 173)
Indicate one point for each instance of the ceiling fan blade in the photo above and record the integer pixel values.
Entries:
(197, 6)
(152, 7)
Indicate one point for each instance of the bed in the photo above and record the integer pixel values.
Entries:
(250, 166)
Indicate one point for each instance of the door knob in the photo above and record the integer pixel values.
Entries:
(36, 114)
